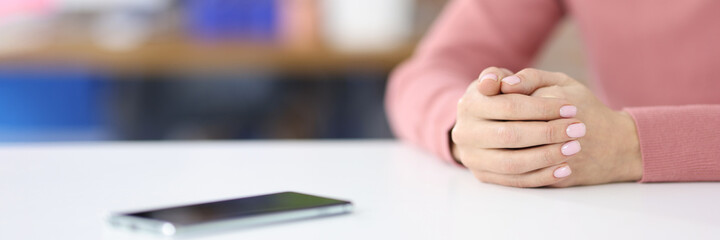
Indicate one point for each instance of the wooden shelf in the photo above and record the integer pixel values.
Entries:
(182, 55)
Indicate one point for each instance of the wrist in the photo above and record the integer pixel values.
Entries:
(629, 153)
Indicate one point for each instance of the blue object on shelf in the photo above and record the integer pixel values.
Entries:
(250, 20)
(52, 104)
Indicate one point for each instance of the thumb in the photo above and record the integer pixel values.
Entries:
(489, 84)
(529, 80)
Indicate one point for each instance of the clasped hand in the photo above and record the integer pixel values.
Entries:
(536, 128)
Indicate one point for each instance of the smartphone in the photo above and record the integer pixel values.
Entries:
(230, 214)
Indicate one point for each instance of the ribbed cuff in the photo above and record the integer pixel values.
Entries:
(447, 114)
(679, 143)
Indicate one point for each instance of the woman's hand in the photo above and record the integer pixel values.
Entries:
(611, 151)
(515, 139)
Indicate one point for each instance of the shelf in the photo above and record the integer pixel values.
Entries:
(180, 55)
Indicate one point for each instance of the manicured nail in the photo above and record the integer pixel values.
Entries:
(489, 76)
(568, 111)
(512, 80)
(562, 172)
(575, 130)
(570, 148)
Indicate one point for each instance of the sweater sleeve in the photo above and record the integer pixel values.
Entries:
(679, 143)
(469, 36)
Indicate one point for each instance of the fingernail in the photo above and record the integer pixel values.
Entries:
(568, 111)
(512, 80)
(489, 76)
(575, 130)
(570, 148)
(562, 172)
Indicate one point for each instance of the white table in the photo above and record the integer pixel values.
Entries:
(62, 191)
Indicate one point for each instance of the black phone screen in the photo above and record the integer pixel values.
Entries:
(237, 208)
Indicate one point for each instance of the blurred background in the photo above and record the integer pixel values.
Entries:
(86, 70)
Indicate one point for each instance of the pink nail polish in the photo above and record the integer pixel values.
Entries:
(489, 76)
(562, 172)
(570, 148)
(575, 130)
(512, 80)
(568, 111)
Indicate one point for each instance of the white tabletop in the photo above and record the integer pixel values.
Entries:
(62, 191)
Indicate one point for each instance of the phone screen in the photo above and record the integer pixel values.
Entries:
(237, 208)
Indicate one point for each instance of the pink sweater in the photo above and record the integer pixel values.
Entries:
(657, 60)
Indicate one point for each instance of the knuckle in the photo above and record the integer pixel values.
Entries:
(531, 183)
(535, 184)
(554, 92)
(528, 72)
(456, 134)
(462, 106)
(550, 133)
(511, 167)
(517, 182)
(562, 75)
(461, 156)
(525, 70)
(548, 157)
(465, 102)
(507, 135)
(470, 107)
(548, 110)
(508, 109)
